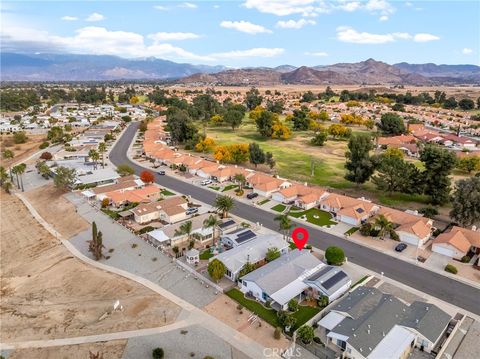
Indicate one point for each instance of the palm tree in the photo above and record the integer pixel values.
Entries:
(8, 155)
(7, 186)
(21, 170)
(14, 171)
(43, 169)
(240, 178)
(383, 225)
(285, 224)
(212, 222)
(185, 228)
(94, 156)
(224, 204)
(102, 148)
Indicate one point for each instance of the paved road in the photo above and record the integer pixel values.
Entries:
(434, 284)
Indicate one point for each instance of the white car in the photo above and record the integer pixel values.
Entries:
(206, 182)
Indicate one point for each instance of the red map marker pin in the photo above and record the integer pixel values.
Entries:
(300, 237)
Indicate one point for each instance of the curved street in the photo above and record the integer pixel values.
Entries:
(429, 282)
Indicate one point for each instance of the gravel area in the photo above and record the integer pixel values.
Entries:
(134, 255)
(197, 340)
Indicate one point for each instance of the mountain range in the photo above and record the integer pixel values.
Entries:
(68, 67)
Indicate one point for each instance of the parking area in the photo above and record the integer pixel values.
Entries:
(126, 251)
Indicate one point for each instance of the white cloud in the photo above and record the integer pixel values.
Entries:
(173, 36)
(95, 17)
(350, 6)
(160, 8)
(69, 18)
(216, 6)
(425, 37)
(285, 7)
(292, 24)
(383, 18)
(348, 34)
(245, 26)
(318, 53)
(467, 51)
(255, 52)
(381, 6)
(188, 5)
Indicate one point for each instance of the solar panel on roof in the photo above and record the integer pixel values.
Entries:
(360, 210)
(320, 273)
(330, 282)
(242, 237)
(227, 223)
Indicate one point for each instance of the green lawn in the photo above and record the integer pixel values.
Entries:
(324, 218)
(351, 231)
(215, 188)
(269, 315)
(166, 192)
(229, 187)
(279, 208)
(303, 314)
(264, 201)
(361, 280)
(112, 214)
(206, 255)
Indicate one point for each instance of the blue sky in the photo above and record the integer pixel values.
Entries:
(249, 32)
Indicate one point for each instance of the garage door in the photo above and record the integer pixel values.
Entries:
(443, 250)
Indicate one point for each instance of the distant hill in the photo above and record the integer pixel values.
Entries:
(444, 73)
(66, 67)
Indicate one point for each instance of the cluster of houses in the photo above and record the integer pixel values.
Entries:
(368, 323)
(419, 134)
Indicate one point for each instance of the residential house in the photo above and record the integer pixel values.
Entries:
(172, 235)
(253, 252)
(123, 184)
(292, 276)
(169, 210)
(370, 324)
(266, 185)
(237, 237)
(301, 195)
(141, 195)
(457, 242)
(354, 211)
(410, 227)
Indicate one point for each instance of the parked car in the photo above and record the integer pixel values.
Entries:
(400, 247)
(206, 182)
(192, 210)
(161, 173)
(252, 195)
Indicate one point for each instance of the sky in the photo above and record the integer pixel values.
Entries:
(249, 32)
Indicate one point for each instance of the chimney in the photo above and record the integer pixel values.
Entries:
(368, 331)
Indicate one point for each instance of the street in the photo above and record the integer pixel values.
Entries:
(434, 284)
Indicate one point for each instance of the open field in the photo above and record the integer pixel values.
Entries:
(110, 350)
(56, 210)
(21, 151)
(47, 293)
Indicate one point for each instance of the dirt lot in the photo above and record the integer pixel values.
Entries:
(225, 309)
(110, 350)
(21, 151)
(56, 210)
(47, 293)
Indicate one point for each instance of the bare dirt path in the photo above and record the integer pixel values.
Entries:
(47, 293)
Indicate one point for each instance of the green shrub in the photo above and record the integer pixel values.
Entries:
(306, 334)
(322, 301)
(293, 305)
(317, 340)
(428, 211)
(451, 269)
(158, 353)
(44, 145)
(334, 255)
(277, 334)
(394, 235)
(466, 259)
(365, 229)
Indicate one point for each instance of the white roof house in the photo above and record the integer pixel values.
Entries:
(253, 251)
(289, 276)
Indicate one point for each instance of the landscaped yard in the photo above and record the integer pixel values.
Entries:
(215, 188)
(351, 231)
(315, 216)
(302, 315)
(206, 255)
(279, 208)
(229, 187)
(263, 202)
(166, 192)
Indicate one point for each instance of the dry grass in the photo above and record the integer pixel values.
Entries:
(47, 293)
(21, 151)
(56, 210)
